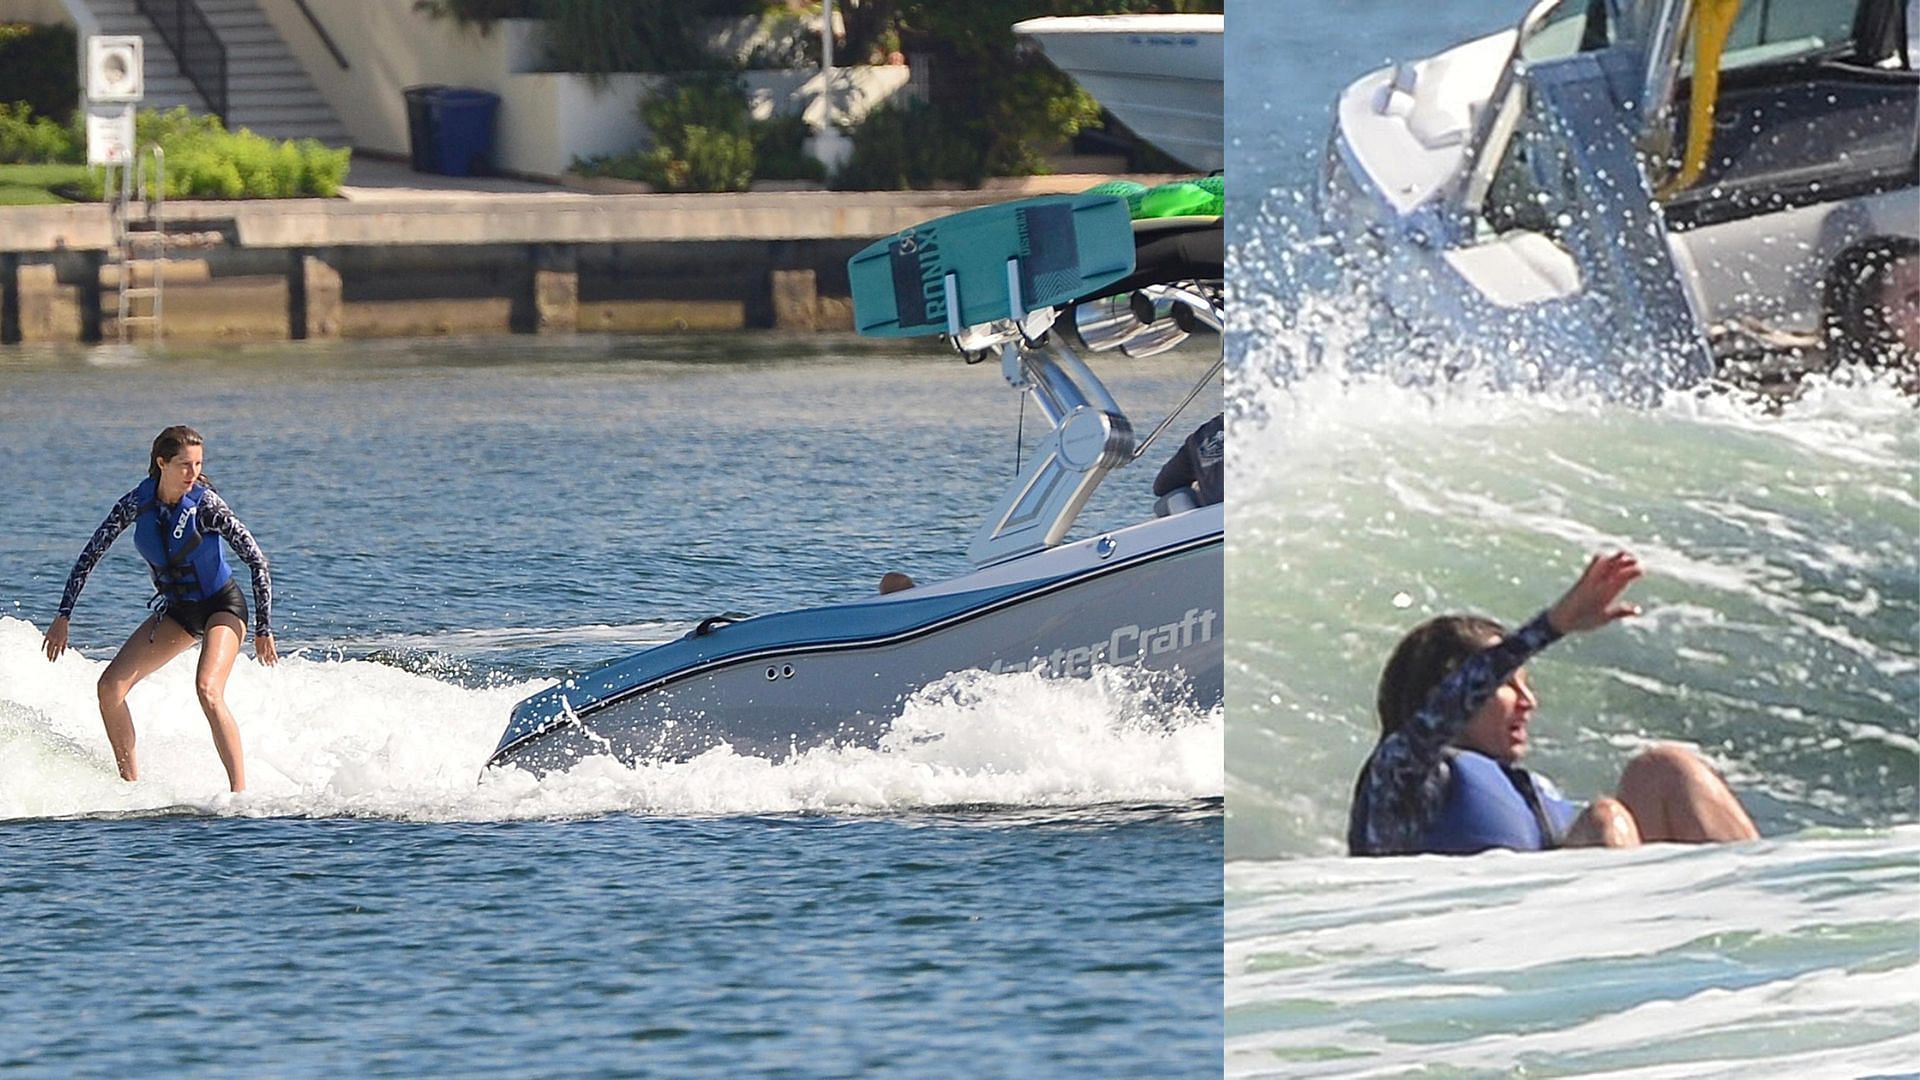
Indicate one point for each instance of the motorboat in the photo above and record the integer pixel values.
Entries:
(1035, 283)
(1160, 75)
(1617, 183)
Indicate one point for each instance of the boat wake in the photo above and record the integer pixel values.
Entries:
(359, 738)
(1787, 957)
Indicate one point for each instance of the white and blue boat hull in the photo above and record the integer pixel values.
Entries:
(773, 686)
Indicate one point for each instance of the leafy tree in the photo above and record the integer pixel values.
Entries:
(702, 135)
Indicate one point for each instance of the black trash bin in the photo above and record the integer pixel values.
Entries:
(463, 131)
(420, 126)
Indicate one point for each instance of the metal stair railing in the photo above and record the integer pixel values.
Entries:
(325, 38)
(199, 50)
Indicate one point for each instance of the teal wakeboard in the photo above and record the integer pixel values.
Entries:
(1064, 246)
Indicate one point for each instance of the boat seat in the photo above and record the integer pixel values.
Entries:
(1177, 501)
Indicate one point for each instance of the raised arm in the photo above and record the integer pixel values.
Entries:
(1404, 782)
(1404, 779)
(122, 515)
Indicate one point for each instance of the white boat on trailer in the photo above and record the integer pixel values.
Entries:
(1016, 280)
(1160, 75)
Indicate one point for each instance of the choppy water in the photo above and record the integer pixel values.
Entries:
(1784, 958)
(1780, 639)
(1781, 593)
(1028, 884)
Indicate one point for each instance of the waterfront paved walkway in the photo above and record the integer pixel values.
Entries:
(378, 180)
(386, 203)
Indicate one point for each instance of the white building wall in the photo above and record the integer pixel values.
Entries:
(546, 119)
(389, 46)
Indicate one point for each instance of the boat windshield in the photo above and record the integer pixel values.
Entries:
(1767, 31)
(1572, 26)
(1773, 51)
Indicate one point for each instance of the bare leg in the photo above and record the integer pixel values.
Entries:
(157, 641)
(216, 663)
(1604, 823)
(1676, 797)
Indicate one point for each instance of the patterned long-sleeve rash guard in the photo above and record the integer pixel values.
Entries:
(1404, 784)
(216, 519)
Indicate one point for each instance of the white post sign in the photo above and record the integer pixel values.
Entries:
(116, 81)
(109, 134)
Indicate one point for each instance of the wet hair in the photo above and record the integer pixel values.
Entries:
(1858, 323)
(1422, 661)
(168, 444)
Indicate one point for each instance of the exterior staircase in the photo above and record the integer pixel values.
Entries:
(267, 90)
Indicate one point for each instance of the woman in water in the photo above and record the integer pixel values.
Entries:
(1454, 707)
(176, 516)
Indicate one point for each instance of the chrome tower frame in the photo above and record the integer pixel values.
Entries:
(1091, 435)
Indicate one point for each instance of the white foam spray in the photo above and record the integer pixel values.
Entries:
(352, 737)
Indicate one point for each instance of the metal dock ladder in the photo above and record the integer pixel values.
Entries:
(135, 186)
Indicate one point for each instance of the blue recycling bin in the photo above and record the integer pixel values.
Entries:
(463, 130)
(450, 129)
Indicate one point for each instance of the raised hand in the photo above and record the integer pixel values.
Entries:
(1593, 601)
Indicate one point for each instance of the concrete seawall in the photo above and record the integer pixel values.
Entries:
(460, 262)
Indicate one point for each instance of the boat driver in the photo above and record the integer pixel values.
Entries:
(1198, 464)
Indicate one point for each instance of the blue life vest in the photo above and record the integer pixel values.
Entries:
(187, 564)
(1486, 807)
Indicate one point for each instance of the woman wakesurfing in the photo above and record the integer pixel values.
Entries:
(177, 520)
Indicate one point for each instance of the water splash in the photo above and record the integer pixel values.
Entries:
(1782, 593)
(332, 737)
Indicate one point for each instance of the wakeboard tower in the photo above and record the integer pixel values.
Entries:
(1028, 280)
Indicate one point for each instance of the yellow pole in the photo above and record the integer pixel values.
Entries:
(1711, 21)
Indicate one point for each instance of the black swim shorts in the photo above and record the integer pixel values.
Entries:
(194, 615)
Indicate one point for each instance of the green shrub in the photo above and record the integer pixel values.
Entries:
(706, 140)
(174, 127)
(26, 139)
(712, 101)
(253, 164)
(203, 171)
(206, 161)
(40, 66)
(780, 150)
(718, 160)
(702, 135)
(1029, 111)
(325, 168)
(912, 146)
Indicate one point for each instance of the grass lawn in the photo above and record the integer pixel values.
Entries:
(28, 185)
